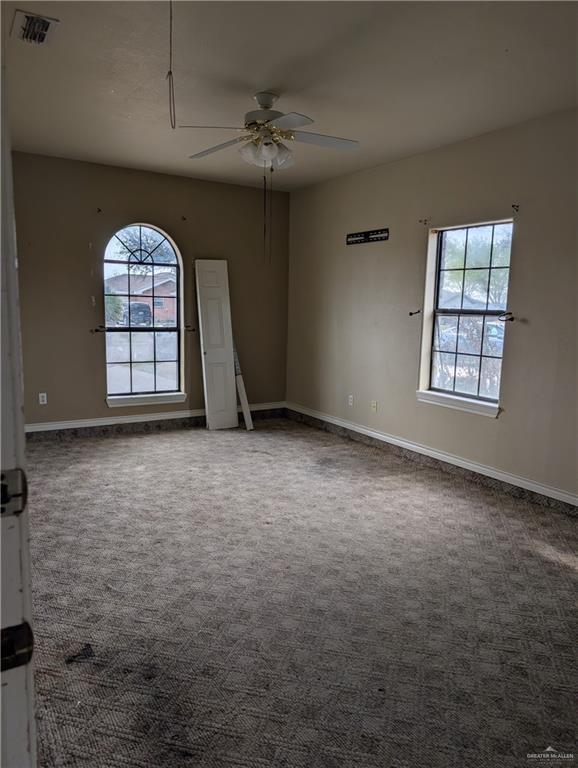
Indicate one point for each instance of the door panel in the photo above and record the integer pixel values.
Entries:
(216, 343)
(216, 374)
(214, 324)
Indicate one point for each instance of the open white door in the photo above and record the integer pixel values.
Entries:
(18, 730)
(216, 338)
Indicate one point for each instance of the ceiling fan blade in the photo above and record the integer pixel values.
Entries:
(218, 147)
(214, 127)
(333, 142)
(289, 121)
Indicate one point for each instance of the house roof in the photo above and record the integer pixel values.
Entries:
(138, 283)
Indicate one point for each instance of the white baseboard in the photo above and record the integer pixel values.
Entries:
(47, 426)
(497, 474)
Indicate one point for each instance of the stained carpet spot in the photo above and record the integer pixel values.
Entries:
(85, 653)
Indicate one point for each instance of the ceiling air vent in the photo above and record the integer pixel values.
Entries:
(33, 28)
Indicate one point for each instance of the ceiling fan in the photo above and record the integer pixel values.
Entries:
(265, 131)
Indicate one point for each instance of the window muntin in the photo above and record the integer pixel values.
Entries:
(142, 295)
(473, 266)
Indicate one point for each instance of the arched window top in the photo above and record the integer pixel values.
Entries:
(141, 244)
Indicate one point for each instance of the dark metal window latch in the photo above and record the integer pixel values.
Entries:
(14, 491)
(17, 645)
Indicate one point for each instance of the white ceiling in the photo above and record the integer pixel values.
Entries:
(401, 78)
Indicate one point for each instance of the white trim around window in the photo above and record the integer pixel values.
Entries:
(121, 401)
(424, 394)
(458, 403)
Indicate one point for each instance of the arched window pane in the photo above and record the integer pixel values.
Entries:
(164, 254)
(143, 377)
(116, 311)
(142, 295)
(118, 379)
(140, 256)
(141, 280)
(166, 376)
(142, 348)
(116, 251)
(150, 239)
(165, 279)
(167, 346)
(115, 278)
(130, 237)
(117, 347)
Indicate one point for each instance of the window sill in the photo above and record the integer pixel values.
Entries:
(121, 401)
(480, 407)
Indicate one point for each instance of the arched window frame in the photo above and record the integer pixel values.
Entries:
(150, 398)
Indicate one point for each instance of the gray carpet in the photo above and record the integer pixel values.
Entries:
(288, 597)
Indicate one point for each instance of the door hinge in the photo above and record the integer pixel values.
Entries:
(14, 491)
(17, 645)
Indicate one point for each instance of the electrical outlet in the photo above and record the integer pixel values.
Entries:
(374, 406)
(350, 401)
(42, 398)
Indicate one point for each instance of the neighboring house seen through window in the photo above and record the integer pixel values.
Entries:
(472, 275)
(142, 278)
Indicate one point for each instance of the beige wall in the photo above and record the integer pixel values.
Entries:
(62, 235)
(349, 330)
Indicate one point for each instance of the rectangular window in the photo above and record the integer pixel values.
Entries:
(469, 310)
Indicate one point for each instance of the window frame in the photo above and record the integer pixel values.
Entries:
(149, 397)
(426, 392)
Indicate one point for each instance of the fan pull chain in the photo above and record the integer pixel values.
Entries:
(264, 213)
(271, 215)
(169, 77)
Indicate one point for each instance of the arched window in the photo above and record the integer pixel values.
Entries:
(143, 313)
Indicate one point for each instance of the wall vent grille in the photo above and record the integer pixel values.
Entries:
(32, 28)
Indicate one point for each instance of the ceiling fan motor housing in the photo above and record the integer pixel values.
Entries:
(260, 116)
(265, 100)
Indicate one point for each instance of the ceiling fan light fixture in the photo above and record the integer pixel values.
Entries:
(249, 153)
(266, 153)
(267, 150)
(284, 158)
